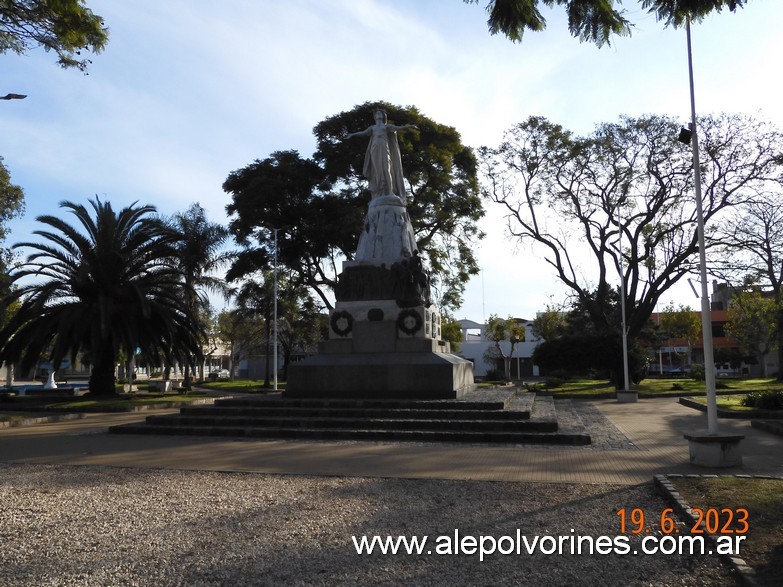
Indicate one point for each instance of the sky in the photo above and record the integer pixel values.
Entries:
(188, 91)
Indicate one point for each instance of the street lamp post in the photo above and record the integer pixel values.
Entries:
(13, 97)
(706, 320)
(627, 378)
(274, 367)
(624, 395)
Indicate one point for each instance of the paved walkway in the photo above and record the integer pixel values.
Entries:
(654, 426)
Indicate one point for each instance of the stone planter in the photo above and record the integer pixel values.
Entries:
(160, 386)
(716, 451)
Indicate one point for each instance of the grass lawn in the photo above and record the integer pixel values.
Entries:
(763, 547)
(240, 386)
(121, 403)
(100, 405)
(663, 387)
(84, 404)
(730, 403)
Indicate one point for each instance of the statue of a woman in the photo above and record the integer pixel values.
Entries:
(382, 162)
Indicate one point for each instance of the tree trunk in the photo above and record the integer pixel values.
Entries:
(102, 379)
(763, 360)
(231, 362)
(779, 320)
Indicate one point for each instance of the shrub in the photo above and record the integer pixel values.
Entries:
(676, 387)
(553, 382)
(697, 372)
(494, 375)
(764, 400)
(534, 387)
(749, 401)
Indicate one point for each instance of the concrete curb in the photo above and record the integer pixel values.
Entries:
(118, 410)
(771, 427)
(40, 420)
(664, 485)
(771, 414)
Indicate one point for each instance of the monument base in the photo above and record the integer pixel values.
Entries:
(385, 335)
(378, 350)
(414, 375)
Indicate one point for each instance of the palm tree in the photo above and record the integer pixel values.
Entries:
(115, 286)
(199, 250)
(256, 299)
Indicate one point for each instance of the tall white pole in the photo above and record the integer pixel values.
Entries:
(627, 380)
(706, 320)
(274, 367)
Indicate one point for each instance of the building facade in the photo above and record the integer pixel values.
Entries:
(475, 345)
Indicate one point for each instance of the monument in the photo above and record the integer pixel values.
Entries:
(384, 332)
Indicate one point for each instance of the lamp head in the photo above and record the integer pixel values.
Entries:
(686, 134)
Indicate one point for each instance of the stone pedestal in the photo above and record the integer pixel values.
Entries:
(387, 236)
(625, 396)
(379, 350)
(51, 383)
(715, 451)
(384, 332)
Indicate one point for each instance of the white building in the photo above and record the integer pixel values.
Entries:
(474, 345)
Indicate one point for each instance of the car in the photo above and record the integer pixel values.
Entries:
(222, 374)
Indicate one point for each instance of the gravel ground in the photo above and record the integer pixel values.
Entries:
(63, 525)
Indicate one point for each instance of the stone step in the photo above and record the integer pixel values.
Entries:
(352, 412)
(499, 404)
(568, 420)
(355, 434)
(510, 418)
(362, 423)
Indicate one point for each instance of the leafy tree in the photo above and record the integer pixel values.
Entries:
(752, 321)
(594, 21)
(682, 322)
(498, 330)
(301, 325)
(451, 332)
(199, 250)
(11, 206)
(578, 354)
(113, 286)
(314, 228)
(318, 205)
(255, 299)
(241, 332)
(299, 320)
(549, 324)
(571, 195)
(212, 341)
(585, 345)
(753, 238)
(64, 26)
(11, 200)
(732, 356)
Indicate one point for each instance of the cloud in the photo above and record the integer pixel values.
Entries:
(189, 90)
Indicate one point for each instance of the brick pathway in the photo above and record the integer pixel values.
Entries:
(633, 443)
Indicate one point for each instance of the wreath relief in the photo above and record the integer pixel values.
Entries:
(341, 322)
(409, 321)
